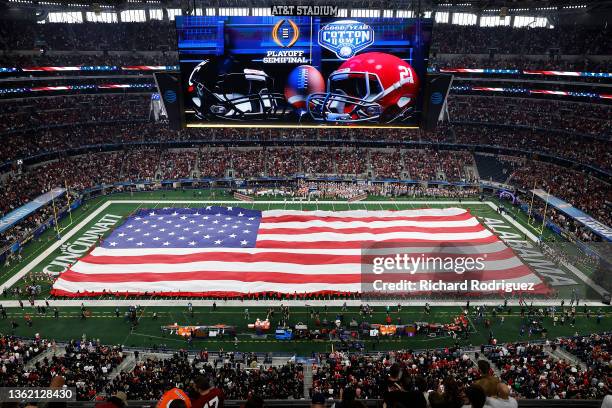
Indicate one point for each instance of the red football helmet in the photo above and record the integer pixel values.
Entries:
(370, 87)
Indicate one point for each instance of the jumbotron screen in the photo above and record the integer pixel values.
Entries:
(302, 71)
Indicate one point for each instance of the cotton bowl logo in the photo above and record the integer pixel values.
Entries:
(346, 37)
(285, 33)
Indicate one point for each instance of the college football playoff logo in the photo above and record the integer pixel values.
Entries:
(285, 33)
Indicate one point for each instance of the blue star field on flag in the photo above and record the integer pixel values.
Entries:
(206, 227)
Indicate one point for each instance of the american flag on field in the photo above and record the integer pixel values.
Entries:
(231, 251)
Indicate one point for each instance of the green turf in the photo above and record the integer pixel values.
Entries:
(112, 330)
(171, 198)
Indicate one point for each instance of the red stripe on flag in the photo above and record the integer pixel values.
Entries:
(281, 257)
(423, 218)
(366, 244)
(358, 230)
(282, 277)
(539, 288)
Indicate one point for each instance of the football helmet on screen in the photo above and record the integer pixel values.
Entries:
(247, 94)
(370, 87)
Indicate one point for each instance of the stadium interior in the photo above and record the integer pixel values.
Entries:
(517, 155)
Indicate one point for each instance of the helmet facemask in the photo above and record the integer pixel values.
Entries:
(351, 97)
(246, 95)
(360, 96)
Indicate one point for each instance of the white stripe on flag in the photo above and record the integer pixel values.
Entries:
(203, 286)
(261, 267)
(414, 248)
(471, 222)
(422, 212)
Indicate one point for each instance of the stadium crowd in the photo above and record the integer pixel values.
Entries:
(147, 36)
(47, 112)
(368, 374)
(596, 352)
(447, 38)
(15, 353)
(33, 222)
(85, 365)
(580, 118)
(587, 193)
(148, 164)
(538, 62)
(152, 376)
(143, 164)
(21, 60)
(577, 40)
(533, 373)
(579, 132)
(593, 350)
(584, 150)
(529, 369)
(94, 169)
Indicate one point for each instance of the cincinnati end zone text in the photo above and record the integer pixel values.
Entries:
(471, 285)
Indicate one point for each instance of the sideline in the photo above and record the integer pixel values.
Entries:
(298, 202)
(292, 303)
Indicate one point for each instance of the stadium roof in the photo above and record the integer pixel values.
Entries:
(510, 6)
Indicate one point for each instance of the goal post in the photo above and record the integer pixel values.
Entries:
(531, 213)
(56, 216)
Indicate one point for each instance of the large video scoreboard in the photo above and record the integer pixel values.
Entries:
(302, 71)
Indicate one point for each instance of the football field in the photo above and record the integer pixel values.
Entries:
(100, 216)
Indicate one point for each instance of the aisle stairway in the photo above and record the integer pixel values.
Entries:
(48, 353)
(127, 365)
(561, 354)
(490, 168)
(481, 356)
(307, 379)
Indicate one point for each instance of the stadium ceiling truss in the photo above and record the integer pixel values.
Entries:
(514, 7)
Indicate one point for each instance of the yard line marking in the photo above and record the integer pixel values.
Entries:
(274, 303)
(472, 324)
